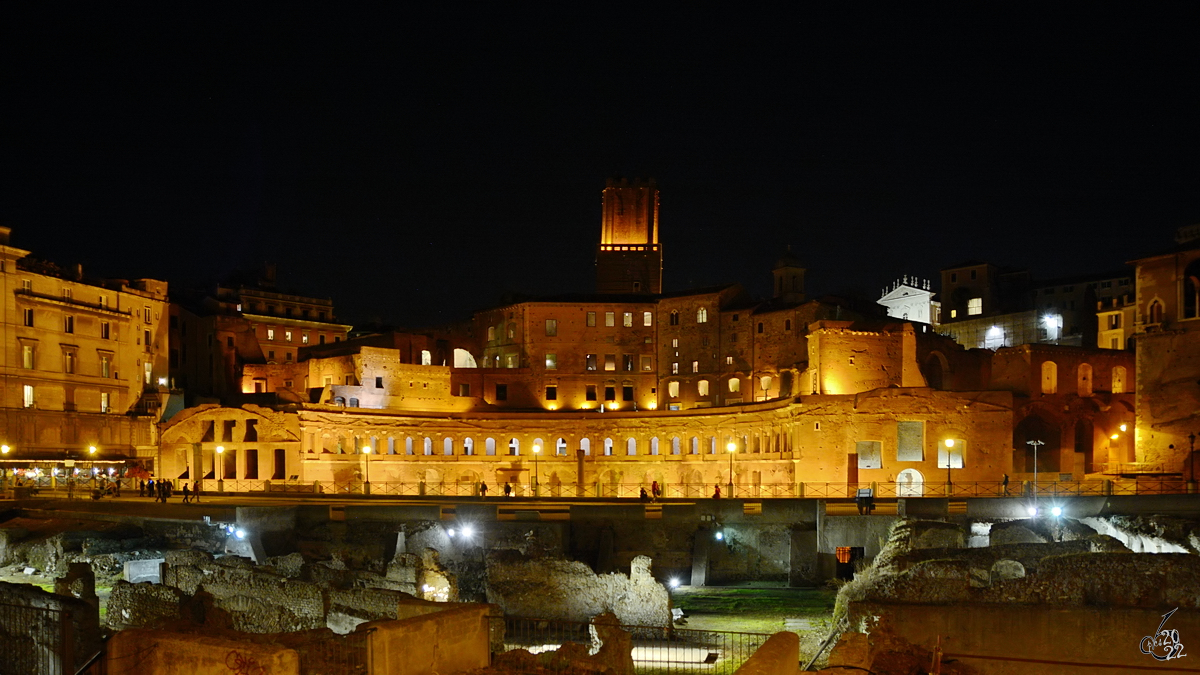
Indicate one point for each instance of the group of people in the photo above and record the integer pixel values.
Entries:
(162, 490)
(653, 495)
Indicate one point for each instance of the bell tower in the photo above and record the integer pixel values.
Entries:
(629, 258)
(788, 277)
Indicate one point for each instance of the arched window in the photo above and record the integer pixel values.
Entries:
(448, 446)
(673, 389)
(489, 446)
(674, 320)
(408, 445)
(560, 446)
(353, 403)
(654, 446)
(428, 445)
(1118, 380)
(1085, 380)
(1049, 377)
(702, 315)
(1191, 290)
(695, 445)
(585, 444)
(426, 358)
(702, 388)
(468, 446)
(735, 385)
(630, 446)
(514, 446)
(608, 446)
(1155, 313)
(675, 446)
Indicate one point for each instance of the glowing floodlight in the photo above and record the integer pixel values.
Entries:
(467, 531)
(673, 583)
(1056, 511)
(719, 535)
(1032, 510)
(240, 534)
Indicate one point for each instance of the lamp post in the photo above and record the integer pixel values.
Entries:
(537, 450)
(219, 468)
(949, 485)
(367, 470)
(4, 470)
(732, 448)
(92, 465)
(1035, 445)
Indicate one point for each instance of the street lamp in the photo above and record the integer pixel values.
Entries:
(92, 464)
(367, 470)
(219, 468)
(4, 470)
(537, 450)
(949, 485)
(732, 448)
(1035, 445)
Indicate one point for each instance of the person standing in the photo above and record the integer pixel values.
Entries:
(508, 489)
(196, 492)
(483, 490)
(141, 488)
(1004, 484)
(186, 495)
(150, 485)
(716, 491)
(655, 491)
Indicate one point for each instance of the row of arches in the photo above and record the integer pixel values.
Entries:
(465, 445)
(1083, 379)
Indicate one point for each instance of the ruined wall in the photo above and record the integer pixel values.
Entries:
(569, 591)
(33, 626)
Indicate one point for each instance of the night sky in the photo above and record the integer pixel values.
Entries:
(414, 164)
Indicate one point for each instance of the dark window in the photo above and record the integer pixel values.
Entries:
(628, 359)
(674, 321)
(760, 327)
(551, 393)
(590, 394)
(502, 392)
(379, 383)
(627, 393)
(610, 393)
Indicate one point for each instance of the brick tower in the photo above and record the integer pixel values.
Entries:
(629, 258)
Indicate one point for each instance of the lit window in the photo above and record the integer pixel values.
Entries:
(551, 361)
(735, 385)
(491, 333)
(674, 368)
(627, 362)
(27, 285)
(627, 320)
(974, 306)
(647, 318)
(270, 333)
(510, 360)
(610, 319)
(68, 362)
(104, 401)
(551, 327)
(105, 365)
(427, 358)
(591, 318)
(953, 313)
(673, 389)
(647, 363)
(287, 336)
(729, 360)
(675, 342)
(702, 387)
(304, 338)
(27, 356)
(512, 330)
(695, 366)
(590, 361)
(702, 315)
(610, 361)
(27, 398)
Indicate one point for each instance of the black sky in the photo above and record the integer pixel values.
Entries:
(414, 164)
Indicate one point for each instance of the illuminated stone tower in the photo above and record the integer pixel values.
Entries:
(629, 258)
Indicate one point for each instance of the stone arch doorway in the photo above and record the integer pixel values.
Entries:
(1035, 428)
(1085, 444)
(935, 370)
(910, 483)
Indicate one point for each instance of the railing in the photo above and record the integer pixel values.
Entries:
(37, 640)
(656, 650)
(1144, 485)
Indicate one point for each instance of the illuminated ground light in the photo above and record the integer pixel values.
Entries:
(673, 583)
(1032, 510)
(719, 535)
(468, 531)
(1056, 511)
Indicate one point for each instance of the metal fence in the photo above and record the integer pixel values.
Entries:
(36, 640)
(656, 650)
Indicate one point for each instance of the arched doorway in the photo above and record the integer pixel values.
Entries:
(934, 371)
(910, 483)
(1034, 428)
(1085, 443)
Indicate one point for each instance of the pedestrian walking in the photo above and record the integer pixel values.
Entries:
(716, 491)
(483, 490)
(655, 491)
(141, 488)
(150, 486)
(508, 489)
(186, 494)
(196, 492)
(1004, 484)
